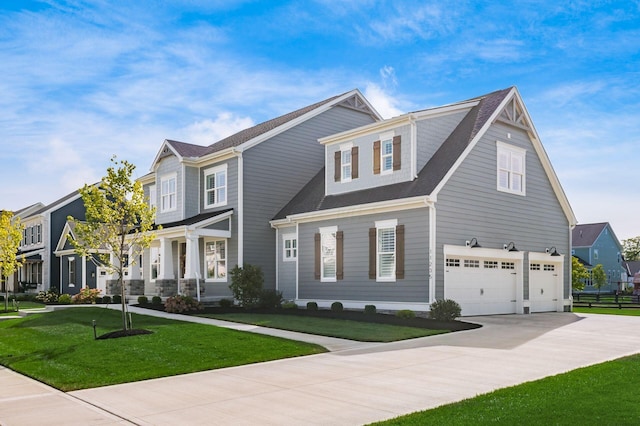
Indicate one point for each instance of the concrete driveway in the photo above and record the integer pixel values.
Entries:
(356, 385)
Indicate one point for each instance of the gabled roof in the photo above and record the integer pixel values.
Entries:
(585, 235)
(633, 266)
(312, 197)
(252, 135)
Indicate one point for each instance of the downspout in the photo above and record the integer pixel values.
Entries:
(432, 252)
(414, 148)
(240, 208)
(277, 259)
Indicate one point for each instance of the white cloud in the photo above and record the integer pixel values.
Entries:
(385, 104)
(208, 131)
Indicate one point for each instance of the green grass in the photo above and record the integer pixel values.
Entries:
(58, 348)
(345, 329)
(608, 311)
(22, 305)
(604, 394)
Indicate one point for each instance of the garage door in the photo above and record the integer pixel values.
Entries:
(543, 286)
(482, 286)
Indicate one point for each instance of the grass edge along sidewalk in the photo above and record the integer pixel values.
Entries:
(601, 394)
(58, 348)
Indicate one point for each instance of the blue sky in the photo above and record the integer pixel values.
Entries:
(81, 81)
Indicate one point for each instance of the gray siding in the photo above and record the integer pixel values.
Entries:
(366, 178)
(191, 193)
(432, 132)
(276, 170)
(356, 284)
(286, 269)
(167, 166)
(232, 185)
(470, 206)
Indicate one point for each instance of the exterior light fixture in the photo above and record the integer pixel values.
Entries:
(510, 247)
(552, 251)
(473, 243)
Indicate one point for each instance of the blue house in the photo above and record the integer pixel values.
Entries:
(596, 244)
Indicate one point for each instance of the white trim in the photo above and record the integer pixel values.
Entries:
(386, 224)
(432, 253)
(226, 260)
(289, 237)
(360, 304)
(297, 264)
(240, 208)
(413, 142)
(324, 231)
(366, 130)
(480, 252)
(390, 223)
(346, 148)
(214, 171)
(166, 178)
(505, 148)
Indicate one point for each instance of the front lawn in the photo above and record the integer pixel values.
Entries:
(603, 394)
(24, 304)
(608, 311)
(58, 348)
(345, 329)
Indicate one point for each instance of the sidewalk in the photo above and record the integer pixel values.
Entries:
(358, 383)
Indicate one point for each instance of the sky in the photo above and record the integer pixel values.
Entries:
(81, 81)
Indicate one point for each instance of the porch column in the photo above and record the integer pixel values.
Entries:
(134, 266)
(166, 260)
(84, 272)
(192, 262)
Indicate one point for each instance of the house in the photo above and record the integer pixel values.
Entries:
(596, 244)
(456, 202)
(48, 264)
(632, 270)
(214, 202)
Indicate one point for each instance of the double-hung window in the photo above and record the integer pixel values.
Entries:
(346, 164)
(386, 250)
(511, 169)
(153, 201)
(386, 156)
(215, 190)
(215, 257)
(290, 247)
(168, 198)
(328, 253)
(154, 262)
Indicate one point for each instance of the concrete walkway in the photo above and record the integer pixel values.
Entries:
(356, 384)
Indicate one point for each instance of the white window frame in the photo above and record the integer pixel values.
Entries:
(328, 238)
(154, 260)
(218, 274)
(384, 156)
(171, 197)
(511, 169)
(346, 170)
(289, 247)
(153, 196)
(381, 227)
(219, 170)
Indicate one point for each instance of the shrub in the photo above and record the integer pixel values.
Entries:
(445, 310)
(49, 296)
(143, 300)
(64, 299)
(246, 284)
(337, 307)
(86, 295)
(226, 303)
(98, 299)
(106, 299)
(312, 306)
(180, 304)
(370, 309)
(406, 314)
(289, 305)
(156, 300)
(270, 299)
(117, 298)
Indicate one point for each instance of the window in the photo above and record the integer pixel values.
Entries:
(549, 267)
(491, 264)
(72, 270)
(346, 165)
(153, 200)
(595, 253)
(154, 262)
(534, 267)
(215, 257)
(454, 263)
(215, 189)
(511, 169)
(386, 156)
(386, 253)
(34, 272)
(168, 200)
(471, 263)
(328, 254)
(508, 265)
(290, 247)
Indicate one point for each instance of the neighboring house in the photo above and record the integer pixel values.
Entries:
(214, 202)
(596, 244)
(14, 282)
(457, 202)
(632, 269)
(48, 264)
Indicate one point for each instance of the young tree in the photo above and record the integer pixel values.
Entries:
(631, 249)
(599, 276)
(10, 237)
(578, 274)
(119, 219)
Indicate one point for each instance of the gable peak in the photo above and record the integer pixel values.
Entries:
(514, 114)
(359, 104)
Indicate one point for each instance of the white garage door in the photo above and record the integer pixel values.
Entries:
(543, 285)
(482, 286)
